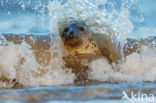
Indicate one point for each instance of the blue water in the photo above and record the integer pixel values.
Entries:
(145, 9)
(102, 93)
(18, 15)
(32, 16)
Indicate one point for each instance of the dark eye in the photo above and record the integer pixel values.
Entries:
(81, 28)
(66, 30)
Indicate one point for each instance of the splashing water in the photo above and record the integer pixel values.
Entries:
(18, 63)
(21, 64)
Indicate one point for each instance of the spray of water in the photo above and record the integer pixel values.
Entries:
(18, 64)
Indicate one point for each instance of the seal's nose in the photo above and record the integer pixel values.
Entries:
(73, 32)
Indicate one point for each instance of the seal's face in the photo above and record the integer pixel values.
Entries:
(74, 33)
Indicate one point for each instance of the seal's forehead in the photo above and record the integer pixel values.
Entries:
(74, 24)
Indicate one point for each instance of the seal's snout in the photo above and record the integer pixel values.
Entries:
(73, 33)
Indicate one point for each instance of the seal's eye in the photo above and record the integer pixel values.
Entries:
(66, 30)
(82, 28)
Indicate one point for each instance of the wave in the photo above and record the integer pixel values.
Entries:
(29, 60)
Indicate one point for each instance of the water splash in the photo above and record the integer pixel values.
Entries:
(137, 67)
(101, 16)
(18, 64)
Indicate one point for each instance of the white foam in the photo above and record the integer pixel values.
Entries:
(18, 62)
(136, 67)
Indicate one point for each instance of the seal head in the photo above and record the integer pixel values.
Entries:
(73, 33)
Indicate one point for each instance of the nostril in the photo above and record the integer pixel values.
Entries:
(66, 30)
(71, 33)
(82, 28)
